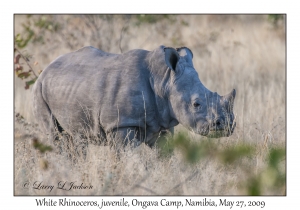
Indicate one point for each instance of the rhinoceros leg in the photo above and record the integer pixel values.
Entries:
(162, 135)
(120, 137)
(43, 115)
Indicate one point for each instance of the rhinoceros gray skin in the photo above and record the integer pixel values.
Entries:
(129, 97)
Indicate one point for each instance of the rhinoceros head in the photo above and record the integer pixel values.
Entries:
(191, 103)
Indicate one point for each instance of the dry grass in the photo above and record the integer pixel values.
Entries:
(242, 52)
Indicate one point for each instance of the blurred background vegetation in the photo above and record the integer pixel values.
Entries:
(245, 52)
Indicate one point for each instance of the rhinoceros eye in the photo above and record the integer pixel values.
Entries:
(196, 105)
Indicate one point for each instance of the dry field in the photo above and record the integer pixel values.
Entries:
(245, 52)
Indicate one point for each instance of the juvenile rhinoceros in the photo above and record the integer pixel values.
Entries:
(130, 97)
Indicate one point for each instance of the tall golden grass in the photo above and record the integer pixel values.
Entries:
(245, 52)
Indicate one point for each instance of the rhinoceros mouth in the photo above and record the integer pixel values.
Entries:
(203, 131)
(212, 132)
(223, 129)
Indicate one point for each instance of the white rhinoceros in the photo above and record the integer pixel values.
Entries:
(129, 97)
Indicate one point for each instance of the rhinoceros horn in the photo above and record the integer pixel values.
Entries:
(229, 99)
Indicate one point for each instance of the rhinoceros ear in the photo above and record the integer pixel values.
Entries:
(183, 51)
(171, 57)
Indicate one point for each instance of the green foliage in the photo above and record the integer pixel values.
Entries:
(44, 23)
(271, 177)
(275, 156)
(231, 154)
(34, 30)
(253, 186)
(30, 82)
(22, 40)
(195, 151)
(151, 19)
(275, 18)
(184, 23)
(40, 146)
(24, 75)
(192, 151)
(166, 147)
(19, 69)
